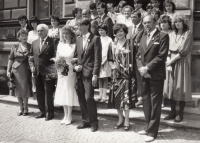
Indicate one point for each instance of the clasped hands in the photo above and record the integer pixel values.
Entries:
(79, 68)
(144, 72)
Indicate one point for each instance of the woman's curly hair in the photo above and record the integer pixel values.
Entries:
(181, 17)
(72, 33)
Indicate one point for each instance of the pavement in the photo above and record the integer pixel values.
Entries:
(27, 129)
(190, 121)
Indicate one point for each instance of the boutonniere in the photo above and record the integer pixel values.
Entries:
(47, 43)
(88, 40)
(152, 39)
(126, 51)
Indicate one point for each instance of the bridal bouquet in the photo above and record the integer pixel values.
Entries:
(62, 65)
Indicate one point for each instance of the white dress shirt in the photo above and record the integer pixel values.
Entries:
(85, 40)
(42, 41)
(151, 35)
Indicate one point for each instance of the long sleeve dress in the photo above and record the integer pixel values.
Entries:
(180, 77)
(122, 93)
(21, 70)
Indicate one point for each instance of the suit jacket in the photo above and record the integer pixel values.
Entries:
(108, 21)
(154, 55)
(90, 58)
(41, 59)
(130, 34)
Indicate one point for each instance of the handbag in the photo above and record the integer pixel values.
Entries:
(11, 84)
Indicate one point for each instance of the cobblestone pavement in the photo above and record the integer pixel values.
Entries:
(20, 129)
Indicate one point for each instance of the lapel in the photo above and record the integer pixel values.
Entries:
(138, 30)
(37, 46)
(88, 43)
(101, 21)
(45, 45)
(153, 39)
(81, 44)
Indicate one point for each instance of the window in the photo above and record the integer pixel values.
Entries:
(45, 8)
(196, 24)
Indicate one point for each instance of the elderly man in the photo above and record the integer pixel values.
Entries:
(86, 14)
(150, 60)
(43, 50)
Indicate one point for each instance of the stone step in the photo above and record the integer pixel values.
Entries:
(195, 103)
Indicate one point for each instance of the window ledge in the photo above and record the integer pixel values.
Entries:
(185, 12)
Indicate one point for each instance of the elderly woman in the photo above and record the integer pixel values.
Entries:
(33, 35)
(180, 66)
(122, 64)
(65, 94)
(19, 68)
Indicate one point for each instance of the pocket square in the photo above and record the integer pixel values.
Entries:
(155, 43)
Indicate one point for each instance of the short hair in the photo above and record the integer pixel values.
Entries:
(170, 2)
(128, 6)
(44, 26)
(154, 0)
(165, 18)
(22, 17)
(103, 5)
(104, 27)
(70, 30)
(84, 21)
(122, 4)
(138, 13)
(93, 6)
(182, 17)
(55, 18)
(149, 6)
(75, 11)
(34, 20)
(22, 31)
(156, 11)
(110, 4)
(117, 27)
(148, 15)
(94, 22)
(138, 1)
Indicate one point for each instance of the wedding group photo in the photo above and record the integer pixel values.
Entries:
(90, 71)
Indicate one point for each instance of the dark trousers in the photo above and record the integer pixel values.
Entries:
(88, 106)
(138, 82)
(152, 94)
(45, 89)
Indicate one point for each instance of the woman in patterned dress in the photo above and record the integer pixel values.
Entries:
(122, 65)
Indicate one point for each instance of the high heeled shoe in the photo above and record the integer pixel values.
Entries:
(126, 128)
(20, 113)
(63, 121)
(119, 126)
(68, 121)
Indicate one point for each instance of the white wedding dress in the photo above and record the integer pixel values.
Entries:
(65, 91)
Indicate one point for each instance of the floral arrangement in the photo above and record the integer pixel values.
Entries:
(61, 64)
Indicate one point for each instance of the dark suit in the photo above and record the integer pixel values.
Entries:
(153, 56)
(108, 21)
(136, 37)
(44, 86)
(90, 60)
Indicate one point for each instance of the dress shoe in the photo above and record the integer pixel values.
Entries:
(126, 128)
(149, 139)
(94, 128)
(25, 113)
(143, 132)
(119, 126)
(40, 116)
(83, 125)
(49, 118)
(20, 113)
(170, 116)
(178, 118)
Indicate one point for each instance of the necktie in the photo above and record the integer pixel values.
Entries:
(134, 30)
(148, 39)
(41, 44)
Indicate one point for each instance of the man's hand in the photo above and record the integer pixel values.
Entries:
(143, 70)
(78, 68)
(147, 75)
(33, 69)
(94, 81)
(8, 74)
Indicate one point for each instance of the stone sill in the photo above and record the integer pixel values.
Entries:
(6, 46)
(185, 12)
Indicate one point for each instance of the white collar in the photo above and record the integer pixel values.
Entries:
(87, 35)
(152, 32)
(24, 26)
(44, 38)
(137, 25)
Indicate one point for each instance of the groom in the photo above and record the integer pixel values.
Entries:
(88, 52)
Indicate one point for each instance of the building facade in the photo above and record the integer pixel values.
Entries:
(11, 9)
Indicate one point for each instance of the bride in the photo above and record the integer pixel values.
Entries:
(65, 94)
